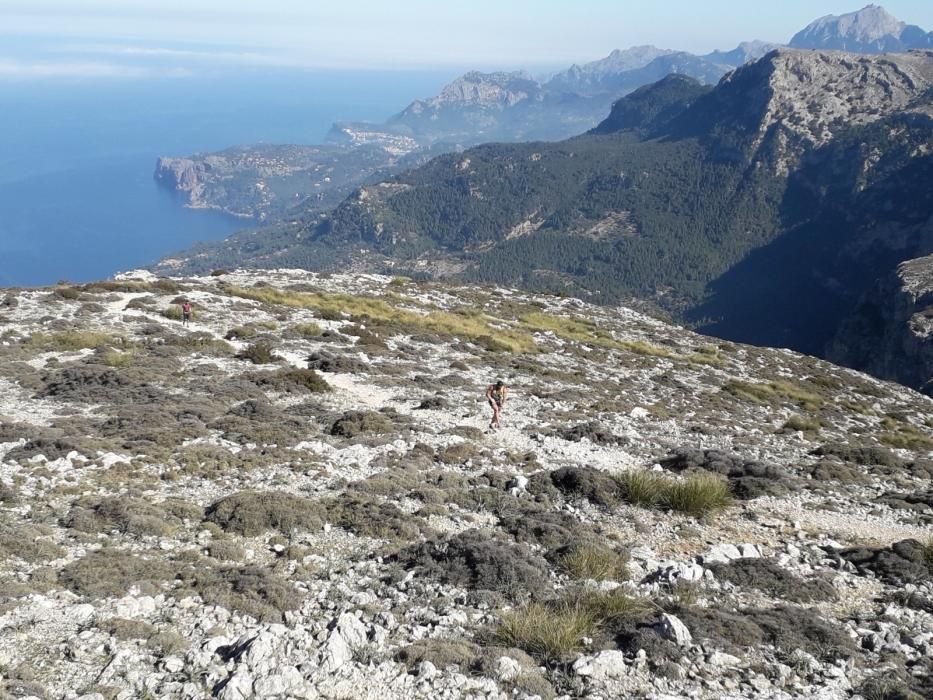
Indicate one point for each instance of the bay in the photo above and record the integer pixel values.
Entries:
(77, 198)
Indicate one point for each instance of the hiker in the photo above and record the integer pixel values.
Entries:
(495, 395)
(185, 312)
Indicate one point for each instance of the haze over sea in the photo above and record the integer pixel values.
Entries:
(77, 196)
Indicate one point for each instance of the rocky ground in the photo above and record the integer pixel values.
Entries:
(297, 497)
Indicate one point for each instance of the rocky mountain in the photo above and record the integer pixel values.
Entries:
(590, 78)
(870, 30)
(890, 331)
(295, 497)
(704, 201)
(264, 182)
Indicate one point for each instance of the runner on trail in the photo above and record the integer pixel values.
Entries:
(495, 395)
(185, 312)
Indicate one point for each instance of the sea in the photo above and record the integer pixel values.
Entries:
(78, 201)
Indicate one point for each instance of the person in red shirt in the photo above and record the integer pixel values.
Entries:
(185, 312)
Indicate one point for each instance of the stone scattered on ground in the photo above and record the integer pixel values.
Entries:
(297, 496)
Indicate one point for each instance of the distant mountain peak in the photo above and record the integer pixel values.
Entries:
(869, 30)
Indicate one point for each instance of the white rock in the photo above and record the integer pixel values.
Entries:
(91, 696)
(604, 665)
(352, 630)
(269, 686)
(427, 670)
(172, 664)
(670, 627)
(507, 668)
(238, 687)
(639, 412)
(720, 658)
(335, 653)
(677, 572)
(721, 554)
(83, 612)
(749, 551)
(261, 648)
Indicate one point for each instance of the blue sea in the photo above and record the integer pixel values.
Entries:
(77, 197)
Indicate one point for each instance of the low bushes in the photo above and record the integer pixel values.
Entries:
(252, 513)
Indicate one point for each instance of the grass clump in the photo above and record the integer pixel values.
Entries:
(549, 635)
(174, 313)
(593, 561)
(903, 435)
(552, 632)
(803, 423)
(71, 340)
(773, 392)
(706, 355)
(307, 330)
(115, 358)
(587, 332)
(698, 495)
(642, 488)
(609, 607)
(471, 324)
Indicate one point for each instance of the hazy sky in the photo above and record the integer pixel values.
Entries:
(104, 37)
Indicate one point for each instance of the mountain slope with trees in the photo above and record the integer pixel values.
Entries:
(760, 210)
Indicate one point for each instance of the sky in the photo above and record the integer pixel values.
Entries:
(126, 38)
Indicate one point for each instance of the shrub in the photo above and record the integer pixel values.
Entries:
(252, 513)
(353, 423)
(166, 643)
(249, 589)
(111, 572)
(125, 629)
(369, 518)
(293, 380)
(240, 332)
(26, 542)
(592, 484)
(219, 272)
(698, 495)
(258, 354)
(766, 575)
(804, 423)
(66, 292)
(475, 560)
(440, 652)
(126, 515)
